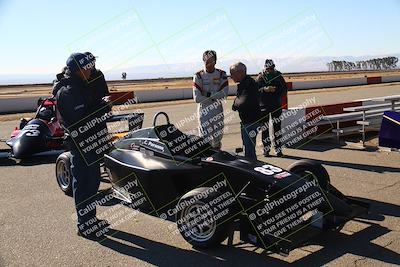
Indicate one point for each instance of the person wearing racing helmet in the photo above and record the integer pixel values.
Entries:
(45, 113)
(210, 89)
(272, 88)
(78, 106)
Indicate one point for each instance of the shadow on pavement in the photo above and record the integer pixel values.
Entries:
(334, 245)
(322, 145)
(34, 160)
(363, 167)
(161, 254)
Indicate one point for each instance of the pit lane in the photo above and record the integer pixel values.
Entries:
(38, 228)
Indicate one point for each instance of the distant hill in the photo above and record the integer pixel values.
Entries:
(303, 64)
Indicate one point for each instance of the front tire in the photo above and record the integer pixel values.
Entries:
(64, 173)
(311, 170)
(200, 225)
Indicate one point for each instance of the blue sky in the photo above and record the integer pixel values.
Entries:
(38, 36)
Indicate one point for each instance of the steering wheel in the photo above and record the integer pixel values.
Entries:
(158, 114)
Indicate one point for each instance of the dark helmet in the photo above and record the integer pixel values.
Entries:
(90, 56)
(78, 61)
(269, 63)
(208, 54)
(45, 114)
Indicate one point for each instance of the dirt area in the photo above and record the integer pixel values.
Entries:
(176, 83)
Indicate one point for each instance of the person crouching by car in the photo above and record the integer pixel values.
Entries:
(247, 104)
(77, 106)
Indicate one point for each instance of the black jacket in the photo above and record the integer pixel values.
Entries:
(78, 106)
(271, 101)
(98, 84)
(247, 101)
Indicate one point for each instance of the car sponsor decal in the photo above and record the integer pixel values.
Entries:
(135, 147)
(281, 175)
(153, 145)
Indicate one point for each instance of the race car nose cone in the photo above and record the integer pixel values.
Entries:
(19, 150)
(25, 147)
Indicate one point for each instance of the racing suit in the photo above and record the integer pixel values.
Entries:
(209, 91)
(271, 106)
(77, 107)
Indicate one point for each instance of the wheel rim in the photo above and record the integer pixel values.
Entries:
(63, 175)
(200, 225)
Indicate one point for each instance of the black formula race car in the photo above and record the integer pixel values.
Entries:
(43, 132)
(166, 173)
(40, 134)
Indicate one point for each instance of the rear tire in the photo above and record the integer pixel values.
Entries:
(197, 223)
(64, 173)
(309, 169)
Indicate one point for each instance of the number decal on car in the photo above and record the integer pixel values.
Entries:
(31, 130)
(268, 169)
(32, 133)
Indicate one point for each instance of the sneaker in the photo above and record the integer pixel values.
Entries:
(96, 235)
(280, 154)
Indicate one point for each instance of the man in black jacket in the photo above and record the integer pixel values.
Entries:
(247, 103)
(96, 82)
(272, 88)
(83, 117)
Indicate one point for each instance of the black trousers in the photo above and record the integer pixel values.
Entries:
(86, 181)
(276, 123)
